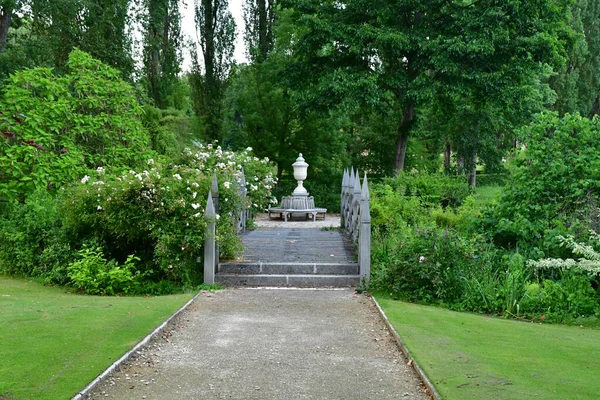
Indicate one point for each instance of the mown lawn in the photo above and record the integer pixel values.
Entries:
(468, 356)
(485, 195)
(53, 343)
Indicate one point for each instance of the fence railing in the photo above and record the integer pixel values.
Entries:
(211, 249)
(356, 217)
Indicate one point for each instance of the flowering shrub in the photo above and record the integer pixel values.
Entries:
(157, 214)
(258, 172)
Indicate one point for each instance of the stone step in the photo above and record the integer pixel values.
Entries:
(303, 280)
(283, 268)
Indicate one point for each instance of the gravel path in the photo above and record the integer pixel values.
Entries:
(330, 221)
(270, 344)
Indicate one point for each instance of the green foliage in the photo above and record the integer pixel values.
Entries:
(32, 241)
(488, 59)
(93, 274)
(588, 263)
(567, 299)
(431, 189)
(577, 83)
(498, 179)
(431, 265)
(554, 184)
(156, 214)
(161, 22)
(54, 126)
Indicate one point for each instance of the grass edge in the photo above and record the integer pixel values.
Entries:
(125, 357)
(422, 375)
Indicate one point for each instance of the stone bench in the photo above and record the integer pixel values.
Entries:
(297, 205)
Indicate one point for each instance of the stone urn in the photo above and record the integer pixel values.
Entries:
(300, 168)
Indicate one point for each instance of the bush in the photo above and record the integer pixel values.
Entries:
(93, 274)
(430, 265)
(431, 189)
(53, 127)
(155, 215)
(32, 241)
(555, 185)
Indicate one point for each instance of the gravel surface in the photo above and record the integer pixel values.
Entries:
(330, 221)
(270, 344)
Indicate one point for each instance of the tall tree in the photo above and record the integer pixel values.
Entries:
(216, 35)
(162, 48)
(7, 8)
(390, 53)
(98, 27)
(258, 18)
(578, 82)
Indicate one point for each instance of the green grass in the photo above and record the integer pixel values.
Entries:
(53, 343)
(485, 195)
(469, 356)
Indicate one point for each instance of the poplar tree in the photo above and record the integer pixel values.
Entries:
(259, 16)
(162, 48)
(216, 38)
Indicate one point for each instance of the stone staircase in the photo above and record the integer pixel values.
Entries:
(296, 257)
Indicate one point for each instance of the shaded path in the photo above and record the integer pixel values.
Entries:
(270, 344)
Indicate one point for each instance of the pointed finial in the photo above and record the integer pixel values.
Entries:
(210, 208)
(365, 189)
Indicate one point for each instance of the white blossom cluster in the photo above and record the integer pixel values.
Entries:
(589, 261)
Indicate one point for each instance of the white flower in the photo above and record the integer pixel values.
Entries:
(85, 179)
(196, 215)
(248, 148)
(194, 195)
(183, 248)
(221, 165)
(150, 161)
(217, 216)
(253, 187)
(98, 183)
(195, 206)
(99, 208)
(100, 170)
(421, 259)
(177, 176)
(194, 184)
(227, 184)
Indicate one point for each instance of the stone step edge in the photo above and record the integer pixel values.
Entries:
(289, 280)
(278, 268)
(302, 264)
(291, 275)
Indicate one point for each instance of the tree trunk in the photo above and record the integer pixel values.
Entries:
(460, 165)
(595, 107)
(447, 155)
(473, 177)
(262, 30)
(5, 20)
(408, 117)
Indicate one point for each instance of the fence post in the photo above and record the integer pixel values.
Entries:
(241, 228)
(209, 242)
(364, 247)
(342, 196)
(215, 199)
(356, 207)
